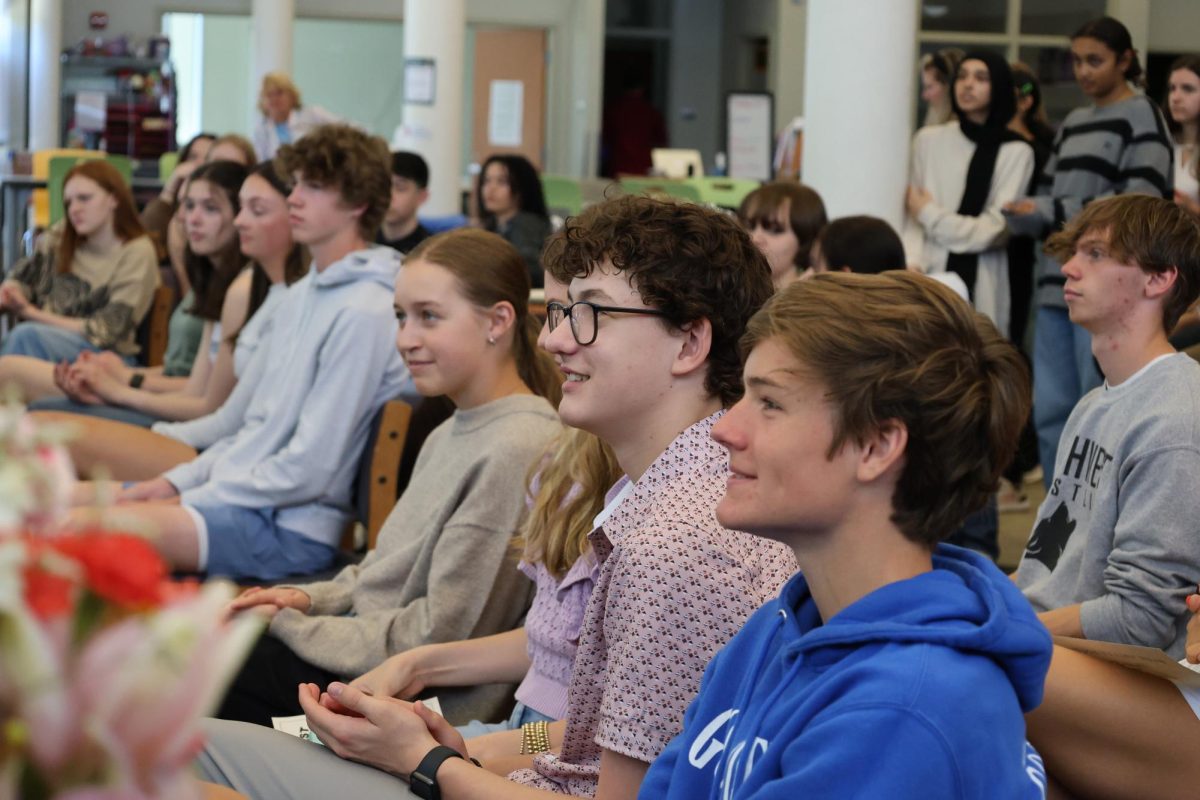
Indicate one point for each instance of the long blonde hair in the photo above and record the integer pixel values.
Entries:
(570, 482)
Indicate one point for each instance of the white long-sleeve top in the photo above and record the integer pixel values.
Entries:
(941, 156)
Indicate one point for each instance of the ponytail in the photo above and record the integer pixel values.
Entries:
(536, 368)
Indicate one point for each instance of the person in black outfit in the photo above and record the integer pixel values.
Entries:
(401, 229)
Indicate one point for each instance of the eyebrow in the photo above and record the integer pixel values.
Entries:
(590, 294)
(765, 382)
(1092, 241)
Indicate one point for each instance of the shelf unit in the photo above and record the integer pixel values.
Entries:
(140, 103)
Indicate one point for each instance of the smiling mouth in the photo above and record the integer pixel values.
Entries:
(576, 378)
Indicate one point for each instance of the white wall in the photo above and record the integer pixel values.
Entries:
(1174, 25)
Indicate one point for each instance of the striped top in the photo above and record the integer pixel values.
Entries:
(1123, 148)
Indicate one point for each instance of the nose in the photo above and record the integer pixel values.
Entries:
(727, 431)
(1070, 268)
(294, 198)
(406, 338)
(559, 341)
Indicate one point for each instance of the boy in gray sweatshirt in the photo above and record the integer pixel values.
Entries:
(1116, 546)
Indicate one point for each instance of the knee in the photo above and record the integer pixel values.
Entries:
(26, 339)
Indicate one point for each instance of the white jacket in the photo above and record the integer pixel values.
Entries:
(300, 122)
(296, 423)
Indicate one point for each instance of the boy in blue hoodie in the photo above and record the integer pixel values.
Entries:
(269, 495)
(879, 411)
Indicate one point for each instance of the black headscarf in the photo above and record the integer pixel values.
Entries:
(987, 138)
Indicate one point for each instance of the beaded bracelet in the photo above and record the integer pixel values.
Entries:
(535, 738)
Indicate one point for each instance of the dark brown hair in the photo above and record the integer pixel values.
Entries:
(356, 164)
(1113, 34)
(211, 275)
(688, 261)
(805, 213)
(1151, 233)
(126, 224)
(490, 270)
(902, 347)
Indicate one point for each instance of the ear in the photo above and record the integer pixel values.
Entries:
(694, 347)
(422, 196)
(883, 452)
(1158, 284)
(500, 319)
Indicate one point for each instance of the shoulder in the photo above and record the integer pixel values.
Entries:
(140, 248)
(237, 301)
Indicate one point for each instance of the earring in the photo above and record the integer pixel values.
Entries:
(491, 339)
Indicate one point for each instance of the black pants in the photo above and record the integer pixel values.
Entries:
(268, 684)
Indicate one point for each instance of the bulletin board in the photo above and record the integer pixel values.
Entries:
(750, 134)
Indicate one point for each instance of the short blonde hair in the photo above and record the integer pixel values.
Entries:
(281, 81)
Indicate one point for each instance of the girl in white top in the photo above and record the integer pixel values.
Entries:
(1183, 103)
(963, 172)
(218, 215)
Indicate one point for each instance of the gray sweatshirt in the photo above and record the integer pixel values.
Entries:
(444, 568)
(1119, 531)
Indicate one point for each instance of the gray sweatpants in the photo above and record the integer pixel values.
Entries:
(264, 764)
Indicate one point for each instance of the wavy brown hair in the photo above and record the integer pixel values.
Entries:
(804, 209)
(902, 347)
(686, 260)
(568, 487)
(489, 270)
(126, 224)
(1151, 233)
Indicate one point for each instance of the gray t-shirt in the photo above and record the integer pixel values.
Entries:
(1119, 531)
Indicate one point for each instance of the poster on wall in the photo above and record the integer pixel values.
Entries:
(420, 81)
(506, 111)
(749, 134)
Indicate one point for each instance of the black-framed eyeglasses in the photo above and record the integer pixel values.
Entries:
(584, 317)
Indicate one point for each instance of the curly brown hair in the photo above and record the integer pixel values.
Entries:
(357, 164)
(901, 346)
(1151, 233)
(688, 261)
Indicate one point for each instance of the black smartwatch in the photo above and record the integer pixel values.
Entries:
(423, 780)
(137, 379)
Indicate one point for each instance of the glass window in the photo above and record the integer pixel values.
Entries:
(975, 16)
(1060, 93)
(649, 14)
(1058, 17)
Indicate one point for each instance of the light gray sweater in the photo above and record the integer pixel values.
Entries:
(1119, 531)
(444, 567)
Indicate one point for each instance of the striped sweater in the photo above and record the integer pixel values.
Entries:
(1123, 148)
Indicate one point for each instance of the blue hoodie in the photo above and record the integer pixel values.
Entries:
(297, 421)
(915, 691)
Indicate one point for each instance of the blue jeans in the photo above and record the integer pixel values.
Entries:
(39, 340)
(1064, 370)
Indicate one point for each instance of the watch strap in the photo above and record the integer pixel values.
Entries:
(137, 379)
(423, 780)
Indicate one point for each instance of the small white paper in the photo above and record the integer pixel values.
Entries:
(420, 81)
(91, 111)
(506, 110)
(298, 725)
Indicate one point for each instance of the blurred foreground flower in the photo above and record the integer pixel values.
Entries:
(106, 665)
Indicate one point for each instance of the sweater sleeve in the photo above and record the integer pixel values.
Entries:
(912, 235)
(354, 356)
(130, 292)
(465, 563)
(1152, 566)
(965, 234)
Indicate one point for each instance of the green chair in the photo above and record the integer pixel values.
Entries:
(723, 192)
(166, 165)
(660, 186)
(61, 165)
(562, 194)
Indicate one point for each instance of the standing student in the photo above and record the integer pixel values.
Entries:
(963, 172)
(937, 75)
(1183, 105)
(1114, 550)
(511, 203)
(270, 496)
(879, 411)
(1117, 145)
(784, 219)
(132, 453)
(401, 229)
(90, 281)
(649, 347)
(441, 569)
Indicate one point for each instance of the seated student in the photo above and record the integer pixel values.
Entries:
(271, 496)
(401, 229)
(879, 411)
(661, 293)
(233, 147)
(90, 280)
(1115, 541)
(783, 219)
(510, 201)
(440, 571)
(132, 453)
